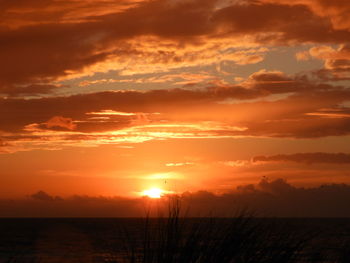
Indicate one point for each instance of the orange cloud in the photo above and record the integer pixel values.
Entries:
(336, 62)
(302, 56)
(59, 121)
(41, 43)
(306, 158)
(219, 111)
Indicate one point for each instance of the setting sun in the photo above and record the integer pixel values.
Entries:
(153, 193)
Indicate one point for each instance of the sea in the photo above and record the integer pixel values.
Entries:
(111, 239)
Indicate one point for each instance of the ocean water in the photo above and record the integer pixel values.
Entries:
(111, 240)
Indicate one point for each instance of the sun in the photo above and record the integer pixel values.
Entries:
(153, 193)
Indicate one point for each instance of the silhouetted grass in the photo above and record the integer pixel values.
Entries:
(175, 238)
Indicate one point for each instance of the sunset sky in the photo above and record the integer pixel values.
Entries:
(105, 98)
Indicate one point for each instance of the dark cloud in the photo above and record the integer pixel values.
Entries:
(307, 158)
(276, 82)
(41, 49)
(28, 90)
(311, 110)
(42, 196)
(267, 198)
(35, 54)
(335, 11)
(278, 198)
(24, 112)
(284, 22)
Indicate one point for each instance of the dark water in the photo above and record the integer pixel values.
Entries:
(108, 240)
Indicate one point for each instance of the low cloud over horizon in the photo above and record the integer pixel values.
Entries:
(276, 198)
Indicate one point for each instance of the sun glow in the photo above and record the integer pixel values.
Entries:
(153, 193)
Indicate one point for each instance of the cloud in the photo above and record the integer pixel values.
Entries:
(278, 22)
(19, 13)
(179, 164)
(4, 146)
(178, 79)
(306, 109)
(40, 110)
(336, 11)
(69, 39)
(42, 196)
(266, 198)
(302, 55)
(280, 197)
(277, 198)
(306, 158)
(28, 90)
(336, 62)
(59, 121)
(274, 82)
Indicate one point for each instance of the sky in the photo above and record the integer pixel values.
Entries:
(219, 101)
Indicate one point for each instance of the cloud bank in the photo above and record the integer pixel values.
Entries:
(266, 199)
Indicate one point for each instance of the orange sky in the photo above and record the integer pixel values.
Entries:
(111, 98)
